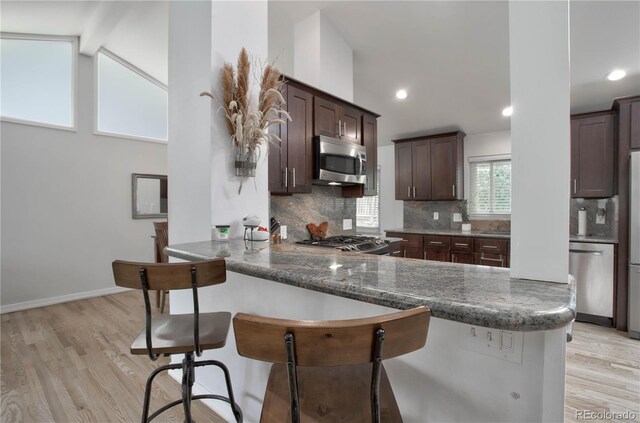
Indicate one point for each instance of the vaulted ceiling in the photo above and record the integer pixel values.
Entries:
(452, 57)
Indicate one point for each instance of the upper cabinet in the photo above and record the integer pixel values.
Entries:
(592, 155)
(314, 112)
(337, 121)
(430, 167)
(290, 164)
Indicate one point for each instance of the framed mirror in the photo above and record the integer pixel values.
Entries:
(149, 199)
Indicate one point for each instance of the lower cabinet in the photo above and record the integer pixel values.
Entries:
(454, 249)
(462, 257)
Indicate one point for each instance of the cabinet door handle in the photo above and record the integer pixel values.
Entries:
(345, 128)
(339, 128)
(453, 190)
(425, 254)
(490, 247)
(414, 192)
(405, 253)
(501, 261)
(286, 177)
(575, 186)
(454, 258)
(458, 244)
(409, 191)
(393, 253)
(435, 243)
(293, 174)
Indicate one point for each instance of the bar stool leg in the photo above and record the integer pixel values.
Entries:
(147, 390)
(187, 384)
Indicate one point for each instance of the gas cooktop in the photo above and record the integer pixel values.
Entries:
(359, 244)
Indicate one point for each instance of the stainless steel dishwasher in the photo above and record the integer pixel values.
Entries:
(592, 266)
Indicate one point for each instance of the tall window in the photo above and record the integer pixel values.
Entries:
(490, 181)
(130, 103)
(368, 210)
(37, 81)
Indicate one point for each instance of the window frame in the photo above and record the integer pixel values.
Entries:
(366, 229)
(96, 99)
(74, 79)
(486, 159)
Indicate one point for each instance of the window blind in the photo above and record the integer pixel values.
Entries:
(490, 191)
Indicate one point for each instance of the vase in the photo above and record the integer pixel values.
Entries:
(245, 163)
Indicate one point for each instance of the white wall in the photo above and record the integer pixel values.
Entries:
(229, 35)
(322, 58)
(390, 209)
(486, 144)
(539, 63)
(66, 206)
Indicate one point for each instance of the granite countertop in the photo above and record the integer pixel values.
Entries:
(601, 239)
(452, 232)
(477, 295)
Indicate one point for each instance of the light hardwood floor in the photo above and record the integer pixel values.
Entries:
(71, 363)
(603, 373)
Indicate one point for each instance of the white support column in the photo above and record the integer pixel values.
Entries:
(189, 149)
(539, 55)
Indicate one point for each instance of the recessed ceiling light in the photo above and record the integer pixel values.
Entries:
(401, 94)
(507, 111)
(615, 74)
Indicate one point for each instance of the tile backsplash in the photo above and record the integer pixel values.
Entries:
(610, 227)
(325, 203)
(419, 215)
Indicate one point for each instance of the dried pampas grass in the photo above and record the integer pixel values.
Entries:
(248, 124)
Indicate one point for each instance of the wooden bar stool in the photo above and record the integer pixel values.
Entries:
(162, 240)
(330, 371)
(186, 334)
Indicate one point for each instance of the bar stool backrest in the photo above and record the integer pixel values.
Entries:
(168, 276)
(331, 343)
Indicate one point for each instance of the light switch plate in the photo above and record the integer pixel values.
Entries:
(436, 216)
(457, 217)
(501, 344)
(347, 224)
(283, 232)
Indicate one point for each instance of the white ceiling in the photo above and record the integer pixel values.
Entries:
(452, 57)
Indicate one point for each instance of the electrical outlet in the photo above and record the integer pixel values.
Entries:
(457, 217)
(501, 344)
(347, 224)
(600, 219)
(436, 216)
(283, 231)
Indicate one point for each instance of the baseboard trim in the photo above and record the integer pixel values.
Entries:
(9, 308)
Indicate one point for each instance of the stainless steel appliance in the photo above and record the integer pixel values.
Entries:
(338, 162)
(634, 247)
(358, 244)
(592, 266)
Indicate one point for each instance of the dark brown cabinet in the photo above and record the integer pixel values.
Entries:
(337, 121)
(455, 249)
(370, 141)
(413, 170)
(290, 165)
(315, 112)
(430, 167)
(592, 155)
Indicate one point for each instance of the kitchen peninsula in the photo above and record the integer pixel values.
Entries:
(496, 345)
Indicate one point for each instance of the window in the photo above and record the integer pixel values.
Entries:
(130, 103)
(368, 210)
(38, 80)
(490, 182)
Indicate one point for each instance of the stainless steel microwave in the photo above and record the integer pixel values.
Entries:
(338, 162)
